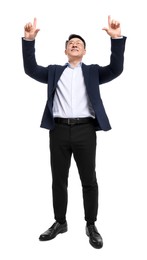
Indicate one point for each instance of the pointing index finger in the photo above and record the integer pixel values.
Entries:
(35, 22)
(109, 20)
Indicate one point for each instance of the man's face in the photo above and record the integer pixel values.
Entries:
(75, 48)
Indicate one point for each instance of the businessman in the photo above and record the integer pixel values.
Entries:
(73, 113)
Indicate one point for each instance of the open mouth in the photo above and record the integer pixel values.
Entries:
(74, 50)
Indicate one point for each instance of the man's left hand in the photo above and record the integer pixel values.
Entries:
(114, 29)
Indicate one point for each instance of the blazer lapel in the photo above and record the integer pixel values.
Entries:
(92, 83)
(85, 70)
(58, 71)
(55, 72)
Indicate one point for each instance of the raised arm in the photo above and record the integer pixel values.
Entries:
(31, 67)
(115, 68)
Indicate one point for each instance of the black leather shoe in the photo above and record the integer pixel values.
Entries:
(53, 231)
(95, 238)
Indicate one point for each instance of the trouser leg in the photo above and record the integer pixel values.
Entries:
(84, 151)
(60, 156)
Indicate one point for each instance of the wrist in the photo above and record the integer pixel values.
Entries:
(117, 36)
(29, 37)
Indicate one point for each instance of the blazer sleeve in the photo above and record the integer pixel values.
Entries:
(31, 67)
(115, 68)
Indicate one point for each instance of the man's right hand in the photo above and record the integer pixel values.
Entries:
(30, 30)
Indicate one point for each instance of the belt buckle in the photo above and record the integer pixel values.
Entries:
(69, 122)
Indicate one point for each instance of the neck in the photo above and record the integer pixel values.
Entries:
(75, 62)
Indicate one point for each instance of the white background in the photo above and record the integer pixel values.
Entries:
(25, 177)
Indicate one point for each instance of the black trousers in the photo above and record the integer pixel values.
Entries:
(79, 140)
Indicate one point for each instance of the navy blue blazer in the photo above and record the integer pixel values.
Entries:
(94, 75)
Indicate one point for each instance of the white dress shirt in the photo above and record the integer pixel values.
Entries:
(71, 99)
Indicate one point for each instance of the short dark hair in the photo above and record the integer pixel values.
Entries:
(71, 36)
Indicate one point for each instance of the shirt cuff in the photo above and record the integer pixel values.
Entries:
(118, 38)
(29, 40)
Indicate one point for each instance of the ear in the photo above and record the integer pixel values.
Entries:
(84, 52)
(65, 52)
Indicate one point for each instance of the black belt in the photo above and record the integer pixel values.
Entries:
(73, 121)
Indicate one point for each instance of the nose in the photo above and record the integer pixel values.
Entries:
(74, 45)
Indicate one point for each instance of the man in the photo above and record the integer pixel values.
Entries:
(73, 113)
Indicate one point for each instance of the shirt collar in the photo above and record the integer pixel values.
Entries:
(69, 65)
